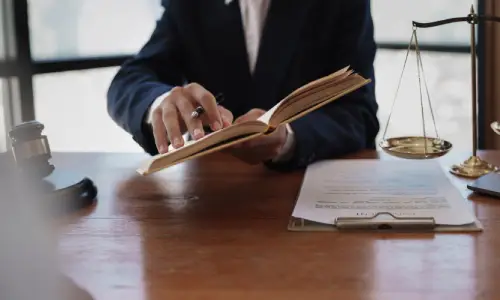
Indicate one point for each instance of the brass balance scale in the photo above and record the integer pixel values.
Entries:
(426, 147)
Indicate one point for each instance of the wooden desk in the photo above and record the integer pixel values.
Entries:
(215, 228)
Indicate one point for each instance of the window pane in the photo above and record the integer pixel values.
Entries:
(393, 20)
(3, 49)
(72, 106)
(6, 30)
(76, 28)
(449, 83)
(3, 129)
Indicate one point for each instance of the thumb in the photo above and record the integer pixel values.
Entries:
(253, 114)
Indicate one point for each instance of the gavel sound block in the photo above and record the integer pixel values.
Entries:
(65, 191)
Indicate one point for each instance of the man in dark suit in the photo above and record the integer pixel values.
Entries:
(255, 52)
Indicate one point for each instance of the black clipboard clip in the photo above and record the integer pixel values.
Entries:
(386, 221)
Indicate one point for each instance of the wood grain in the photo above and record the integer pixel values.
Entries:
(214, 228)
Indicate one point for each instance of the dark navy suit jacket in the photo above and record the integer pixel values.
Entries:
(203, 41)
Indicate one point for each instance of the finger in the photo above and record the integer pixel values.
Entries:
(253, 144)
(226, 116)
(186, 107)
(159, 132)
(253, 114)
(171, 123)
(204, 98)
(261, 146)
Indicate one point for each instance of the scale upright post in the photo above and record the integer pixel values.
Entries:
(474, 166)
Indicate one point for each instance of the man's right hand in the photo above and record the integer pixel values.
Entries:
(172, 118)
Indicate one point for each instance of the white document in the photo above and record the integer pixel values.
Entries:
(363, 188)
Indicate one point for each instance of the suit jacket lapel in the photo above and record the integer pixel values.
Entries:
(280, 38)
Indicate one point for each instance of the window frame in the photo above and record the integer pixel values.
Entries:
(23, 67)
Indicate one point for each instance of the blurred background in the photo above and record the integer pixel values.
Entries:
(57, 58)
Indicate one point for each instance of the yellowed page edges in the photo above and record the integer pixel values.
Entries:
(148, 167)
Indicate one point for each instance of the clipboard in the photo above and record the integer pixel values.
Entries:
(382, 222)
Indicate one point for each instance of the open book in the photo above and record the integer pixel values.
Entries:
(300, 102)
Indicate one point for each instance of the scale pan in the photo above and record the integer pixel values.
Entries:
(413, 147)
(496, 127)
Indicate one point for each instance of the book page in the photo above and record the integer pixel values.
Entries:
(219, 139)
(308, 96)
(266, 118)
(320, 81)
(304, 91)
(309, 102)
(363, 188)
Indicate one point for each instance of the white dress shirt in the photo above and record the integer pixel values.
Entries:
(253, 16)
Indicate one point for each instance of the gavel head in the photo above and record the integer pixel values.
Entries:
(31, 150)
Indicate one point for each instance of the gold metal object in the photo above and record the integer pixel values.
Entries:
(473, 167)
(415, 147)
(425, 147)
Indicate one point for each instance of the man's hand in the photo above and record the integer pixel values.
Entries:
(262, 148)
(172, 118)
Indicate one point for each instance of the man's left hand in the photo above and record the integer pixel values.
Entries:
(260, 149)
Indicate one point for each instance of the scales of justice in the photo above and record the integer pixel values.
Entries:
(426, 147)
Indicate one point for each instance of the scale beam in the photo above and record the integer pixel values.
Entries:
(426, 147)
(471, 19)
(441, 22)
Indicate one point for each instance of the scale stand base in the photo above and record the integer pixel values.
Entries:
(473, 167)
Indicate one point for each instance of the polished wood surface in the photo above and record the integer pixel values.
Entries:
(214, 228)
